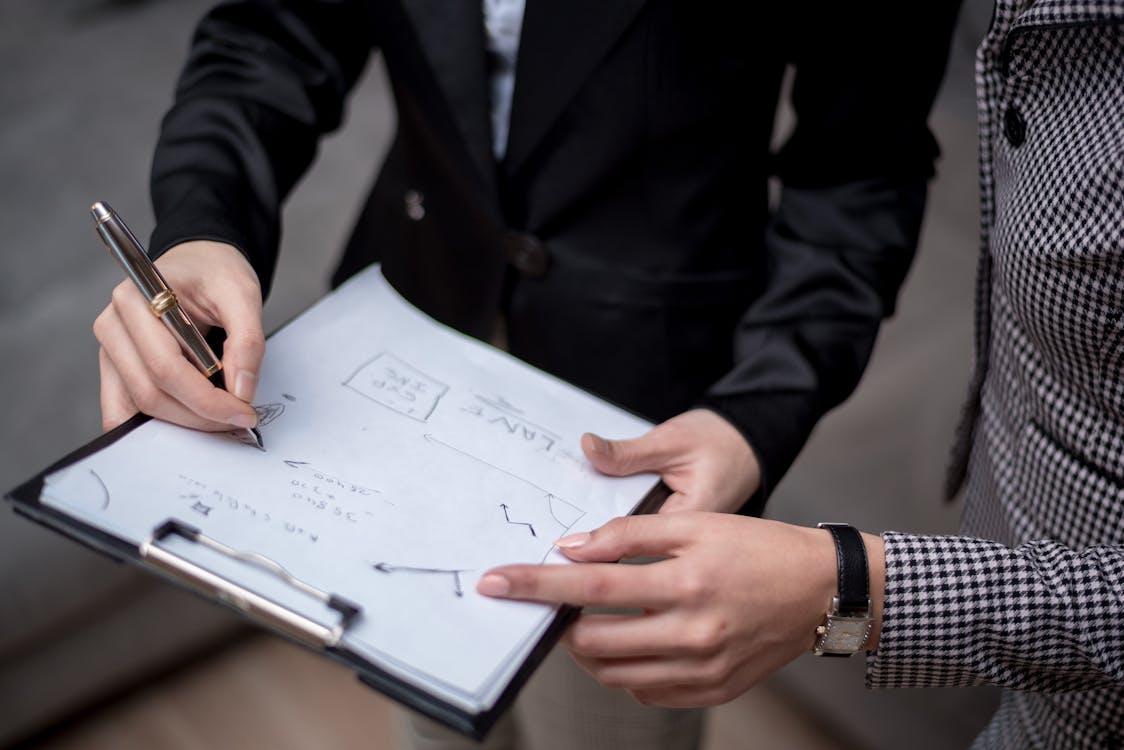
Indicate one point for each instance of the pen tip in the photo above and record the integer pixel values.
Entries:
(257, 436)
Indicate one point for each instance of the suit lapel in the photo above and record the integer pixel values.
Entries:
(451, 34)
(561, 44)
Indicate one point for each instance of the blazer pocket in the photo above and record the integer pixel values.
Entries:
(681, 326)
(699, 326)
(1063, 497)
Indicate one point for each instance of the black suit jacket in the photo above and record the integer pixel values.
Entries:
(627, 235)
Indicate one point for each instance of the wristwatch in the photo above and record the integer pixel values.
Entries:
(847, 625)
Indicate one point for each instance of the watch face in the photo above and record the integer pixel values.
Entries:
(849, 636)
(844, 634)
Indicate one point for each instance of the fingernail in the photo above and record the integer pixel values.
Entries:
(243, 420)
(493, 585)
(598, 444)
(244, 385)
(573, 541)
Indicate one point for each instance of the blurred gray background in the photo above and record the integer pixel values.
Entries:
(82, 89)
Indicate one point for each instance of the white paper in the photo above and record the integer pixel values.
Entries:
(402, 460)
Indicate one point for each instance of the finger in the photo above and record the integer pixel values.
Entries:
(231, 299)
(244, 347)
(649, 452)
(170, 371)
(141, 390)
(632, 536)
(655, 673)
(116, 405)
(611, 637)
(686, 696)
(593, 584)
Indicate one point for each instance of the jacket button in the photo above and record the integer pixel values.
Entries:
(529, 256)
(1014, 126)
(415, 204)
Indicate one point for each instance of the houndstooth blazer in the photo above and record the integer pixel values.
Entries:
(1031, 597)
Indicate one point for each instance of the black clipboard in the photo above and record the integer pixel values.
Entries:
(152, 558)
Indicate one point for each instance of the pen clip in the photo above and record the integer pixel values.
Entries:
(260, 608)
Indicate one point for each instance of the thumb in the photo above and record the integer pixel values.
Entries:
(620, 458)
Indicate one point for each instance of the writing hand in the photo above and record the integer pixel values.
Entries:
(703, 459)
(141, 364)
(736, 599)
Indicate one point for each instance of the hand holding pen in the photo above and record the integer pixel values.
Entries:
(150, 360)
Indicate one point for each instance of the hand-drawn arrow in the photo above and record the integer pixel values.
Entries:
(456, 574)
(517, 523)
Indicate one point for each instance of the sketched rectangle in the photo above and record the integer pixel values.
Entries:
(391, 382)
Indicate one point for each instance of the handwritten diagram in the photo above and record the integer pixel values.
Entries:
(391, 382)
(548, 512)
(267, 413)
(104, 489)
(507, 517)
(454, 573)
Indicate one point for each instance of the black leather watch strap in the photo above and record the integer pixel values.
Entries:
(854, 576)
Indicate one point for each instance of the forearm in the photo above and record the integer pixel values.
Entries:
(213, 179)
(839, 255)
(262, 84)
(853, 174)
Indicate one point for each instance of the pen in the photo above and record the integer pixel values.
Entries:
(123, 246)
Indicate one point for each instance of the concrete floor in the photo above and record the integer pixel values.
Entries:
(83, 87)
(265, 692)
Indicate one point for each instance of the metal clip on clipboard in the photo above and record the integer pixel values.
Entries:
(265, 610)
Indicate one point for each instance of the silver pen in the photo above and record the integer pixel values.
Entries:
(130, 255)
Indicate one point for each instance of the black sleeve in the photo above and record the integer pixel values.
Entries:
(854, 175)
(263, 82)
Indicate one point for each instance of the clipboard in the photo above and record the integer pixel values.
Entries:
(163, 551)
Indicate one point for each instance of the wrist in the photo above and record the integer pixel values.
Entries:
(847, 624)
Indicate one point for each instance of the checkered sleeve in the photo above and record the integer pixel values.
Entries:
(963, 611)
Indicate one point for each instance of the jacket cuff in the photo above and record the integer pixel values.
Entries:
(776, 425)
